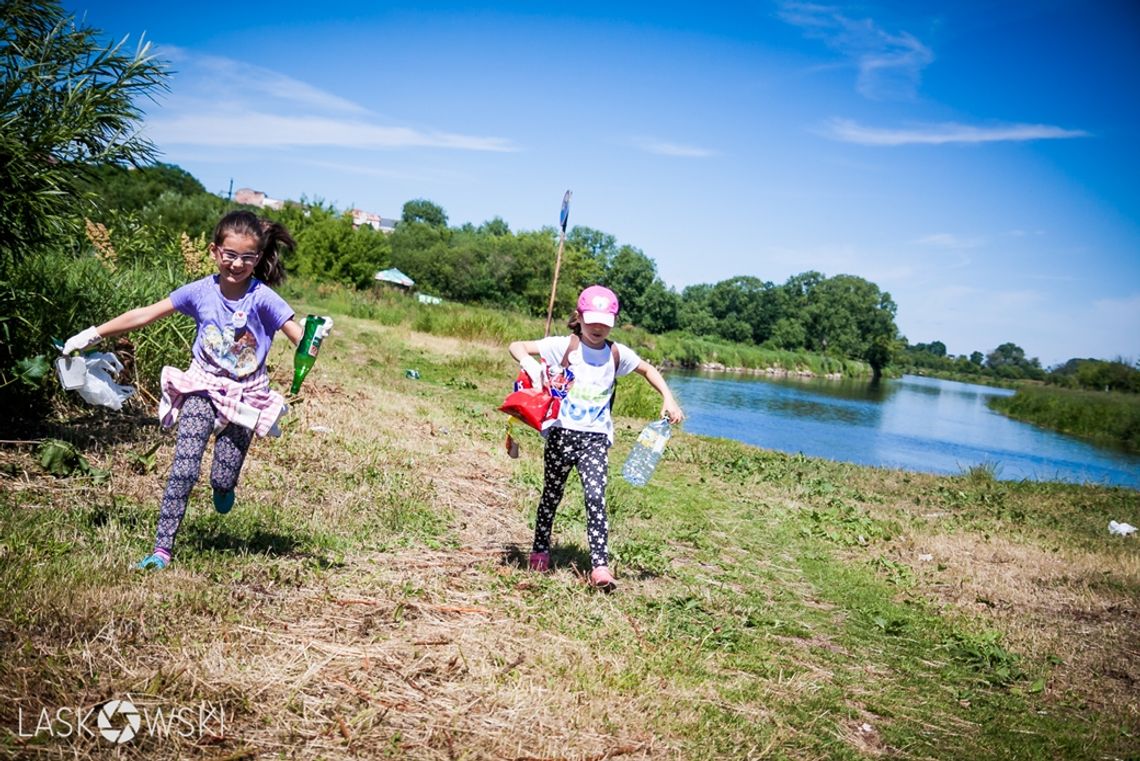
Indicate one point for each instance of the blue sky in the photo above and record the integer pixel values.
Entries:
(979, 161)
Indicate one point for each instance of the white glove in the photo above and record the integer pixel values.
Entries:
(82, 340)
(533, 369)
(325, 328)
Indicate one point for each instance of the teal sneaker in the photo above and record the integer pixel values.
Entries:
(223, 500)
(152, 562)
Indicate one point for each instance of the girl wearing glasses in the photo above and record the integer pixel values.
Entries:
(226, 389)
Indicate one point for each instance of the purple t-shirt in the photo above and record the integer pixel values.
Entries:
(233, 336)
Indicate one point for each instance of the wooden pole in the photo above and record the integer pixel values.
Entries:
(563, 216)
(554, 285)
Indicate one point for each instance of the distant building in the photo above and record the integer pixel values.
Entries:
(252, 197)
(377, 222)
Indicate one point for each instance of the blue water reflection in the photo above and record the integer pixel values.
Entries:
(921, 424)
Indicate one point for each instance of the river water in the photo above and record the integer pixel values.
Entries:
(914, 423)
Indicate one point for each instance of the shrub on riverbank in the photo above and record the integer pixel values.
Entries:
(1105, 417)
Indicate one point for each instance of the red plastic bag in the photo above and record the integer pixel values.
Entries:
(533, 406)
(530, 405)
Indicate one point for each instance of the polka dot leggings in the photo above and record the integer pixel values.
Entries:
(590, 453)
(195, 424)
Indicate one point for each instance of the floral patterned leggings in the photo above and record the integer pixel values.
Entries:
(590, 452)
(195, 424)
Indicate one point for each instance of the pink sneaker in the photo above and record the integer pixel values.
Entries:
(540, 561)
(602, 579)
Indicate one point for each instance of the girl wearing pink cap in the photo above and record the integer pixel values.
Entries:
(585, 364)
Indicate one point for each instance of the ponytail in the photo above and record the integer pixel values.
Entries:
(575, 323)
(271, 238)
(274, 237)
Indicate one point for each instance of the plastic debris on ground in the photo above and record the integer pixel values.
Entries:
(1120, 529)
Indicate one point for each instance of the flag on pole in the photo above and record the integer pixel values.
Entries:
(565, 213)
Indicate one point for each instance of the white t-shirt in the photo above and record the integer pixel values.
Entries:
(587, 403)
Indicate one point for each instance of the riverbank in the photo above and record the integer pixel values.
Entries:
(367, 596)
(1106, 417)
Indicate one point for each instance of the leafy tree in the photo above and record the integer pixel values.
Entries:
(125, 189)
(599, 246)
(329, 249)
(694, 316)
(66, 103)
(630, 275)
(746, 300)
(934, 348)
(426, 212)
(977, 358)
(788, 333)
(496, 227)
(660, 308)
(1008, 354)
(420, 250)
(1009, 361)
(191, 214)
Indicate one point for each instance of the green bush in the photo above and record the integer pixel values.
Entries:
(54, 294)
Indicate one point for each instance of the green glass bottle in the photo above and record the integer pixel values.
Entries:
(307, 349)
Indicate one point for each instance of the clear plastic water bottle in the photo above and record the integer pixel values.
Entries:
(646, 452)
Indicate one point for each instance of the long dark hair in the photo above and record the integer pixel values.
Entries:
(271, 237)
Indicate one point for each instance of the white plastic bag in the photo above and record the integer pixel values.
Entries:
(1120, 529)
(99, 386)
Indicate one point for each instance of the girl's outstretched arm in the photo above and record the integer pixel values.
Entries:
(293, 331)
(127, 321)
(136, 318)
(669, 406)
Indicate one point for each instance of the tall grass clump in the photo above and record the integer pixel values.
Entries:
(478, 323)
(1109, 417)
(53, 294)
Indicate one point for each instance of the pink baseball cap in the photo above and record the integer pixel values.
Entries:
(598, 304)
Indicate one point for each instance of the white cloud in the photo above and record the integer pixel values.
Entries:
(254, 129)
(247, 80)
(663, 148)
(849, 131)
(889, 64)
(213, 109)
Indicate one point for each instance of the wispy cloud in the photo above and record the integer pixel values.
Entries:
(276, 131)
(665, 148)
(850, 131)
(222, 103)
(950, 240)
(889, 64)
(248, 80)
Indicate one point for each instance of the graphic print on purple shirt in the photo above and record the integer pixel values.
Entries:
(233, 336)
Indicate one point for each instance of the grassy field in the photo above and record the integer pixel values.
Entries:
(366, 598)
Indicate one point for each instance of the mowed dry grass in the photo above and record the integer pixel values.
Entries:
(412, 632)
(401, 651)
